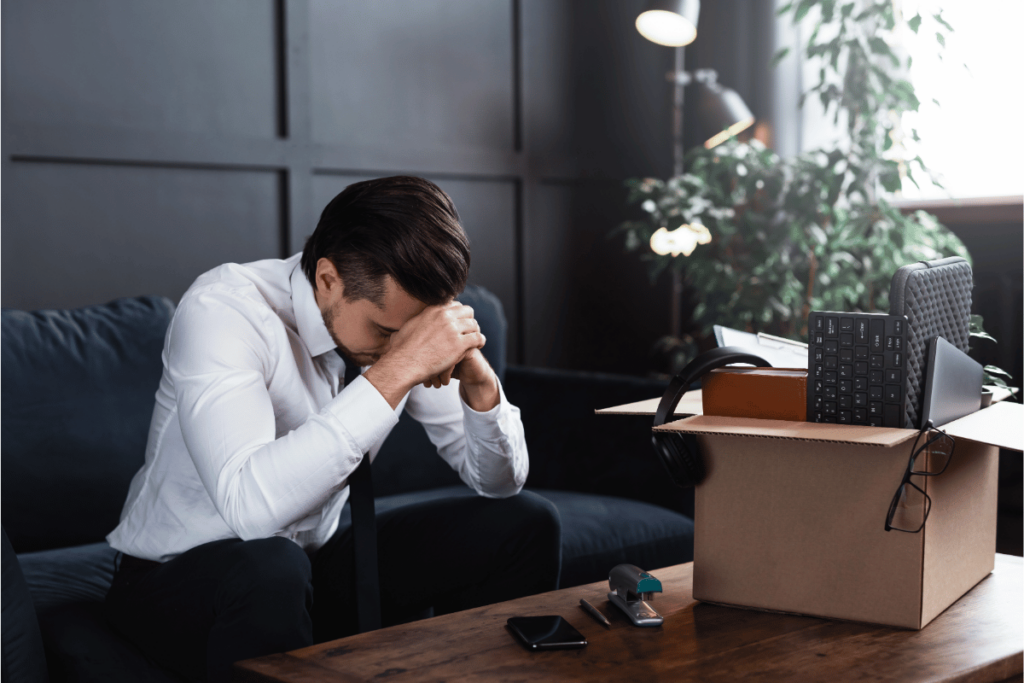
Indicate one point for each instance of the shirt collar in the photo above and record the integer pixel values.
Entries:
(308, 318)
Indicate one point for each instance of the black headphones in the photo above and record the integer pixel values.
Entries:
(676, 451)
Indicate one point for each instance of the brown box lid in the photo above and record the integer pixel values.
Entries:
(1001, 424)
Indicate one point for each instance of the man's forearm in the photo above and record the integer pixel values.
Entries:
(391, 380)
(482, 396)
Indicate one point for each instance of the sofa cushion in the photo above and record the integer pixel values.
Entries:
(58, 577)
(598, 532)
(68, 587)
(574, 449)
(78, 390)
(23, 658)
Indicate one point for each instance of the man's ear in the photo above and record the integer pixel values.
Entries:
(328, 282)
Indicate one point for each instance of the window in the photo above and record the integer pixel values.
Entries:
(972, 138)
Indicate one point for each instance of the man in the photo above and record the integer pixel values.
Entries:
(230, 538)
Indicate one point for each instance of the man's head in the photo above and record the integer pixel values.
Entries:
(383, 250)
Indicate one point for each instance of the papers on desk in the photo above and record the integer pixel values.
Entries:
(781, 353)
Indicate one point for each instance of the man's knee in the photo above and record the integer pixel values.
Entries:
(533, 513)
(527, 537)
(528, 526)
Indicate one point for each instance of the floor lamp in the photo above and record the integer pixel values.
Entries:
(673, 23)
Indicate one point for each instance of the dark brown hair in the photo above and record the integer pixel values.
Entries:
(401, 226)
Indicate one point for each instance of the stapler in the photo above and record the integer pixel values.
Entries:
(631, 588)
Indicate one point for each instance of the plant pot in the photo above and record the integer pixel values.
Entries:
(986, 398)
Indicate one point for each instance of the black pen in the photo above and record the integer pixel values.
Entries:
(595, 613)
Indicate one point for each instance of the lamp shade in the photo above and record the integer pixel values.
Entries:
(723, 111)
(669, 22)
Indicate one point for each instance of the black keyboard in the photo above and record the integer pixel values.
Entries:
(856, 370)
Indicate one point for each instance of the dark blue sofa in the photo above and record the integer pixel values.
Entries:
(77, 394)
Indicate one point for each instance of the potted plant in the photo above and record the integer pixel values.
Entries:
(814, 232)
(993, 376)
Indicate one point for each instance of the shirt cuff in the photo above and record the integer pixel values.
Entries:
(364, 414)
(491, 425)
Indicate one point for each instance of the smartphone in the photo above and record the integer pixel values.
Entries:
(546, 633)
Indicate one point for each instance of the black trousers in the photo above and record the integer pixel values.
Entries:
(230, 600)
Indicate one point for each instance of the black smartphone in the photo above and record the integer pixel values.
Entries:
(546, 633)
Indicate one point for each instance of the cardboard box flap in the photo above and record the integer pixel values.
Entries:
(783, 429)
(691, 404)
(1001, 424)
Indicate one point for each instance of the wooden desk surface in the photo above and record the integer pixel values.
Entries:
(979, 638)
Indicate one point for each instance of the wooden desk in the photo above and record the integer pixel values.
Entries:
(979, 638)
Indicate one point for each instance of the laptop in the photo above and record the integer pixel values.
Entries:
(952, 386)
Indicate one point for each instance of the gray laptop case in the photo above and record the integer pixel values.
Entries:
(936, 298)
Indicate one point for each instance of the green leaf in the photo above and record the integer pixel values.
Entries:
(779, 56)
(915, 23)
(890, 180)
(883, 78)
(994, 381)
(880, 47)
(828, 8)
(910, 177)
(938, 18)
(865, 14)
(802, 9)
(999, 372)
(890, 16)
(941, 38)
(785, 8)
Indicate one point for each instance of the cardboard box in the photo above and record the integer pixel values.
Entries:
(791, 516)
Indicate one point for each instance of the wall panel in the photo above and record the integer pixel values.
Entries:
(590, 305)
(594, 90)
(240, 119)
(426, 74)
(81, 234)
(185, 66)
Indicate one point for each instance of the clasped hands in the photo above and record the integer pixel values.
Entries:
(439, 343)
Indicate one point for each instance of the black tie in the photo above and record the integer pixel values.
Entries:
(364, 533)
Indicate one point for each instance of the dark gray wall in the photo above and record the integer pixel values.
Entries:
(145, 142)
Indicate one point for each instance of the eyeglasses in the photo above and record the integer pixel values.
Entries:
(938, 453)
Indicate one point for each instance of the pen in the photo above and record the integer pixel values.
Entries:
(595, 613)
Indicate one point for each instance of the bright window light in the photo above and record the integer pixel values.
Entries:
(972, 138)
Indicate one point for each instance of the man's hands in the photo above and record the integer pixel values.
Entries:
(432, 347)
(478, 385)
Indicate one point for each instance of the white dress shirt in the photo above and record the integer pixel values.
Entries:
(252, 436)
